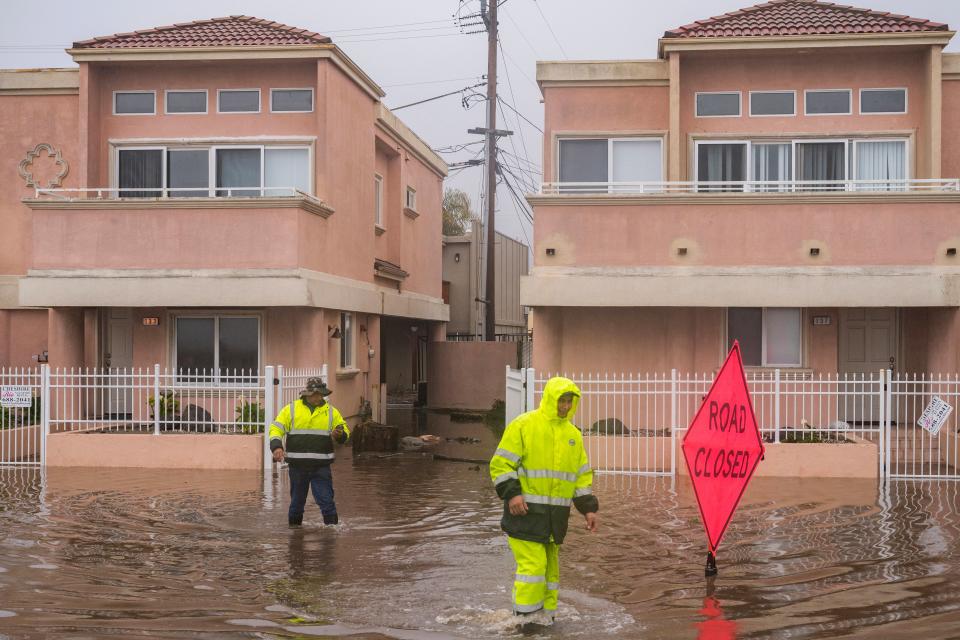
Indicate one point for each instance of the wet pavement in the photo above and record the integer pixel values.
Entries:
(123, 553)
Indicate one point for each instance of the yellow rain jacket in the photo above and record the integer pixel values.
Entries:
(309, 434)
(541, 456)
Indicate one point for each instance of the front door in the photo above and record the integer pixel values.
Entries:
(868, 344)
(118, 362)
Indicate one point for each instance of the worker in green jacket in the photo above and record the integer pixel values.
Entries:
(539, 469)
(303, 435)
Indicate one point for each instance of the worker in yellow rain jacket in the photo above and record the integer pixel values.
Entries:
(539, 469)
(309, 426)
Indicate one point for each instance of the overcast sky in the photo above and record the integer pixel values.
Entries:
(416, 50)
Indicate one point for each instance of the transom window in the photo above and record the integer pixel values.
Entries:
(609, 162)
(821, 102)
(718, 104)
(879, 101)
(192, 101)
(135, 103)
(291, 100)
(773, 103)
(786, 165)
(224, 171)
(238, 100)
(769, 337)
(223, 346)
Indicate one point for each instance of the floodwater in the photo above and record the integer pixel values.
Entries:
(124, 553)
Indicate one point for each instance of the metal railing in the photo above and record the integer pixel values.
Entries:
(171, 193)
(632, 422)
(912, 185)
(21, 416)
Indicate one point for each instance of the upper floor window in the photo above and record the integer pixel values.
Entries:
(768, 337)
(773, 103)
(610, 160)
(135, 103)
(238, 100)
(188, 101)
(411, 199)
(378, 200)
(718, 104)
(152, 172)
(883, 101)
(822, 102)
(291, 100)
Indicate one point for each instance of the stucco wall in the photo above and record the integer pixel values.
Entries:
(147, 451)
(468, 375)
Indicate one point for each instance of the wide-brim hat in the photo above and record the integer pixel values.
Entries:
(316, 385)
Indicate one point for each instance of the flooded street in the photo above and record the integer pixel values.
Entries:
(123, 553)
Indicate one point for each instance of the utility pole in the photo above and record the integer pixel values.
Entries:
(490, 18)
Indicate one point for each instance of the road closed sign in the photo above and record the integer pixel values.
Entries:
(16, 396)
(722, 447)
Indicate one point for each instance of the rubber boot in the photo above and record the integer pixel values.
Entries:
(332, 519)
(295, 521)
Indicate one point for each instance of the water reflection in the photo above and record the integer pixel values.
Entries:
(419, 555)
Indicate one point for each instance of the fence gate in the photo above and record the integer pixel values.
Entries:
(914, 453)
(21, 416)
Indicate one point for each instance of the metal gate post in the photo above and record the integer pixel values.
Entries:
(157, 400)
(269, 411)
(529, 378)
(883, 427)
(44, 412)
(776, 405)
(888, 414)
(674, 409)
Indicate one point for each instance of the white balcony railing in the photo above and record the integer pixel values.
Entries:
(170, 193)
(753, 186)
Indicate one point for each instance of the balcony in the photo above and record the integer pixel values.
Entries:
(859, 187)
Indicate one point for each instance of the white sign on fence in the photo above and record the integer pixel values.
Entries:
(16, 396)
(935, 415)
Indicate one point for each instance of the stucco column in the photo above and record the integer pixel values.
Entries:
(438, 332)
(943, 343)
(4, 338)
(65, 337)
(548, 339)
(674, 166)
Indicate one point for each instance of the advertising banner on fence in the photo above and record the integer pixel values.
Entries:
(935, 415)
(722, 447)
(16, 396)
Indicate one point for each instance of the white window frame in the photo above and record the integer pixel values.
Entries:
(838, 113)
(113, 106)
(216, 316)
(233, 113)
(166, 169)
(846, 153)
(212, 162)
(410, 202)
(906, 102)
(378, 200)
(716, 93)
(346, 364)
(854, 142)
(763, 338)
(163, 165)
(750, 113)
(312, 99)
(206, 100)
(610, 140)
(748, 159)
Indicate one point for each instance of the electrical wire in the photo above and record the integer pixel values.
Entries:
(547, 22)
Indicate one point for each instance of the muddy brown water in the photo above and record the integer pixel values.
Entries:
(127, 553)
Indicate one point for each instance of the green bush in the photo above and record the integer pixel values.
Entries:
(167, 408)
(250, 415)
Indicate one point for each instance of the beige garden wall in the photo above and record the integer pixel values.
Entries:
(468, 375)
(147, 451)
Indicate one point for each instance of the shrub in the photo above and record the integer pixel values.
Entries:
(168, 408)
(250, 415)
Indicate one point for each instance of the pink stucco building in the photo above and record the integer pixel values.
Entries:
(220, 194)
(785, 175)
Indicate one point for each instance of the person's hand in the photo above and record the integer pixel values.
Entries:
(592, 521)
(338, 435)
(278, 455)
(517, 506)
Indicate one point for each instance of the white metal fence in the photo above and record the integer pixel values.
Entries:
(36, 402)
(632, 422)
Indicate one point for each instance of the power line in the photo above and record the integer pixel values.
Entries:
(511, 107)
(412, 84)
(442, 95)
(387, 26)
(547, 22)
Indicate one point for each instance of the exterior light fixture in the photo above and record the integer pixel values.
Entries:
(333, 331)
(551, 251)
(814, 251)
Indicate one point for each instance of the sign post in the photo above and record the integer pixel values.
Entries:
(722, 448)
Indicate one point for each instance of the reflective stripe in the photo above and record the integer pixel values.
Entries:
(528, 608)
(553, 586)
(548, 473)
(503, 453)
(557, 502)
(310, 432)
(582, 470)
(311, 456)
(530, 579)
(586, 491)
(504, 476)
(279, 426)
(293, 413)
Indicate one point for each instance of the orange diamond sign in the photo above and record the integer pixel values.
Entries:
(722, 447)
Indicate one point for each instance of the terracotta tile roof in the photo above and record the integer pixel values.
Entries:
(231, 31)
(800, 18)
